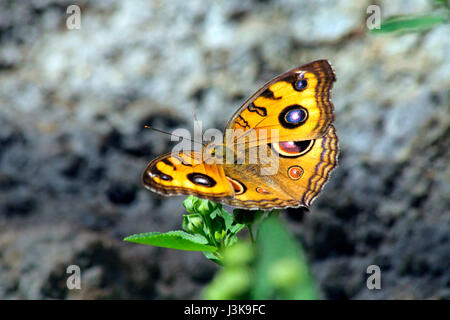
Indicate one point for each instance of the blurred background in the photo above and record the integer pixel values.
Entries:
(74, 102)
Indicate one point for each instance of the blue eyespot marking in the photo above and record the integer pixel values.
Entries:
(295, 116)
(301, 84)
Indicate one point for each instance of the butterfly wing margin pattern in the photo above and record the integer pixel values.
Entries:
(178, 174)
(329, 152)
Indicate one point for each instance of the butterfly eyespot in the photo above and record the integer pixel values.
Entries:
(301, 84)
(295, 172)
(201, 179)
(239, 187)
(293, 149)
(156, 173)
(261, 190)
(293, 116)
(165, 177)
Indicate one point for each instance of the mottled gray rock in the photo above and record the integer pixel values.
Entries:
(73, 104)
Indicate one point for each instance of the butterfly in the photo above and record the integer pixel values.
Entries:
(292, 117)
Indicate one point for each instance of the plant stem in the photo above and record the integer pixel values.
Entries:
(219, 258)
(249, 226)
(209, 227)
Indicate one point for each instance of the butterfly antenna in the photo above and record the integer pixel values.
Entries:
(172, 135)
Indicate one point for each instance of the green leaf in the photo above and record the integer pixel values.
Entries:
(215, 213)
(219, 235)
(228, 219)
(230, 283)
(213, 258)
(238, 255)
(281, 269)
(230, 239)
(217, 224)
(442, 2)
(236, 228)
(409, 23)
(174, 240)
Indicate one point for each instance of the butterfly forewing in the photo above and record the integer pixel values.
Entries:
(296, 103)
(183, 173)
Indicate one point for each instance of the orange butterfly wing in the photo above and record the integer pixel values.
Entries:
(185, 173)
(297, 182)
(297, 103)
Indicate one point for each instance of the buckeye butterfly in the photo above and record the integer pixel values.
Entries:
(297, 104)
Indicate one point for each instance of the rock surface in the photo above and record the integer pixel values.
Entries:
(73, 104)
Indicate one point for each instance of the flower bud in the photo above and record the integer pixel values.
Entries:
(193, 223)
(205, 206)
(219, 235)
(190, 204)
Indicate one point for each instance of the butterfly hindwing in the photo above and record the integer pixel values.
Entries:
(299, 179)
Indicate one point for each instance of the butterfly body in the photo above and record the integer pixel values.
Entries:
(281, 151)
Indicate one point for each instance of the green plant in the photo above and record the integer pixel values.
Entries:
(269, 266)
(415, 23)
(208, 228)
(273, 267)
